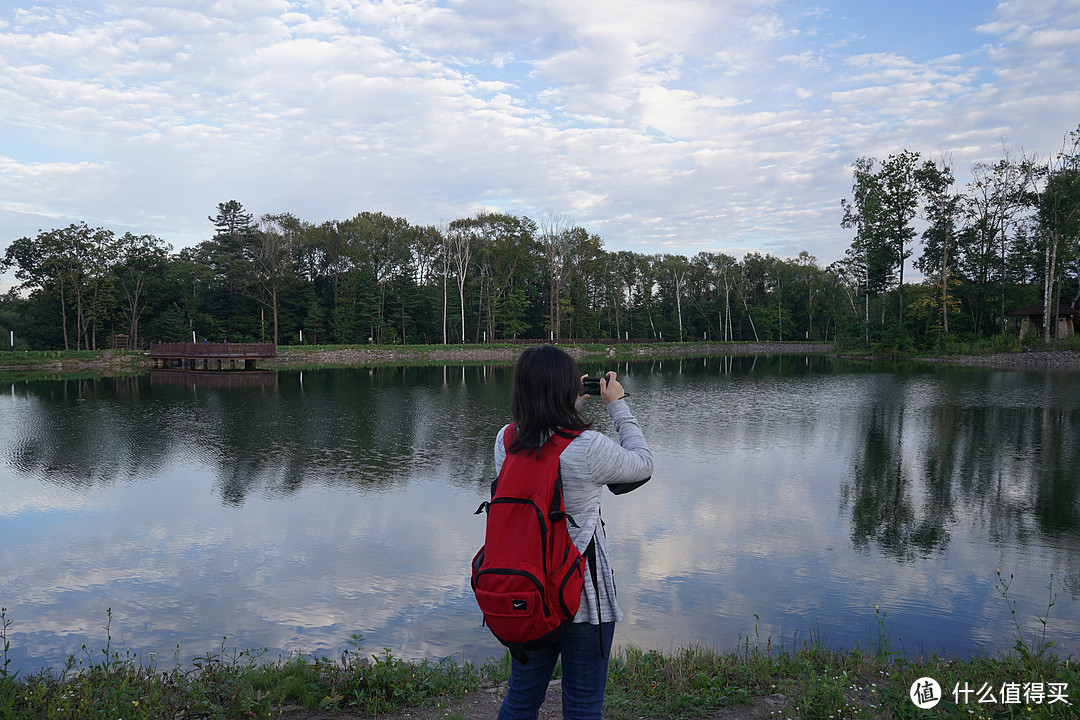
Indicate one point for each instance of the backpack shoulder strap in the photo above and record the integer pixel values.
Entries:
(509, 435)
(561, 438)
(558, 440)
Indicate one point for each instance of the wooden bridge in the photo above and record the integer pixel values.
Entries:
(210, 356)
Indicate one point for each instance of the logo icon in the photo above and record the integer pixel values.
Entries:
(925, 693)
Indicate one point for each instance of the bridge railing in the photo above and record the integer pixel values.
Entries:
(212, 350)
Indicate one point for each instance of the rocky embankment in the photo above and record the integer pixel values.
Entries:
(1034, 359)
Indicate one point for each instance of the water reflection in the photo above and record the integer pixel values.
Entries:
(931, 458)
(370, 430)
(791, 495)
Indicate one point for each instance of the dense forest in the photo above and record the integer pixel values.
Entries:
(1008, 238)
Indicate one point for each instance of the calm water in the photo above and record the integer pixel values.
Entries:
(792, 497)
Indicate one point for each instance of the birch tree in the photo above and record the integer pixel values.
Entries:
(1055, 185)
(460, 248)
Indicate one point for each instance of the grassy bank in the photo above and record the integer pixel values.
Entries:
(37, 358)
(809, 682)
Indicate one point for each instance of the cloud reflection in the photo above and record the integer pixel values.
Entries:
(803, 492)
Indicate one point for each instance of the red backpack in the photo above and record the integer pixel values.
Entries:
(528, 575)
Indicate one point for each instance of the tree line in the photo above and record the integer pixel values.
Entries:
(1008, 238)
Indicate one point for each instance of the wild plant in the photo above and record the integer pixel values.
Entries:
(8, 693)
(1032, 657)
(879, 643)
(4, 659)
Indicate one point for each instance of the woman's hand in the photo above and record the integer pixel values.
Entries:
(610, 388)
(582, 395)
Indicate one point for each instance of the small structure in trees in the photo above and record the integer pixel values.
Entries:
(1031, 321)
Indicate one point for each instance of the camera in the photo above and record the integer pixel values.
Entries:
(591, 385)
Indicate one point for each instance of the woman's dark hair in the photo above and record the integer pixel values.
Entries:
(543, 397)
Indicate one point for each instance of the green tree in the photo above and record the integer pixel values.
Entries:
(379, 248)
(232, 222)
(171, 325)
(620, 276)
(943, 209)
(192, 275)
(807, 281)
(674, 271)
(994, 205)
(140, 265)
(502, 245)
(725, 270)
(581, 295)
(556, 236)
(871, 257)
(428, 257)
(68, 262)
(1057, 199)
(313, 321)
(899, 205)
(261, 262)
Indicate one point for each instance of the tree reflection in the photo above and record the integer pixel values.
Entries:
(930, 449)
(882, 510)
(921, 467)
(85, 432)
(370, 429)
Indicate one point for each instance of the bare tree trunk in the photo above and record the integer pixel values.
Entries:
(461, 296)
(80, 328)
(750, 317)
(1076, 297)
(678, 301)
(727, 312)
(1048, 283)
(945, 288)
(273, 299)
(63, 315)
(779, 319)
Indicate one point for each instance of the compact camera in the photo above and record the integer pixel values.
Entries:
(591, 385)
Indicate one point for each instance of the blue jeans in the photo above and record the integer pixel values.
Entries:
(584, 675)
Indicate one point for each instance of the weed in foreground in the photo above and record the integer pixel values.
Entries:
(807, 681)
(1032, 657)
(219, 684)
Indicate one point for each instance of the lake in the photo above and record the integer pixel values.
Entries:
(794, 499)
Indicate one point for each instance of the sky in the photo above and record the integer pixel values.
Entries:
(678, 126)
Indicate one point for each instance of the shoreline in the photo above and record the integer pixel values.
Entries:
(110, 362)
(358, 355)
(752, 682)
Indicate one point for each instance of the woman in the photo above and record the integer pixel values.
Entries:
(546, 394)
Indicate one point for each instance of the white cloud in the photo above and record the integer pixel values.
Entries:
(658, 125)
